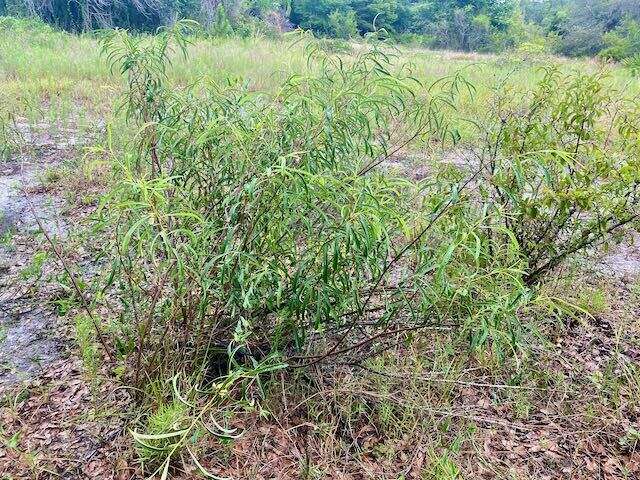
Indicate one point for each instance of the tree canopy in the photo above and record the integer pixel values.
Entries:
(568, 27)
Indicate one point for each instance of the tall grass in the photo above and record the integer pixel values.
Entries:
(43, 70)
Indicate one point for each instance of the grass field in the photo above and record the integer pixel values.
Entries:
(61, 76)
(493, 373)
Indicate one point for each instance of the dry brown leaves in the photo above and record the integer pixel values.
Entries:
(62, 428)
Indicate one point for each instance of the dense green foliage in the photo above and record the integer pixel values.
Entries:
(268, 222)
(565, 167)
(570, 27)
(265, 222)
(256, 231)
(581, 27)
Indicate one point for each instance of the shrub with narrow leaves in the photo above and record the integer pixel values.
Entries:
(563, 168)
(266, 221)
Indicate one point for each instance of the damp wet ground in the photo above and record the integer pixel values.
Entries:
(27, 321)
(623, 261)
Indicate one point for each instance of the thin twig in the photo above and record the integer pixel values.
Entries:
(72, 277)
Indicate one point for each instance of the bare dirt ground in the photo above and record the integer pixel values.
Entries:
(54, 422)
(27, 326)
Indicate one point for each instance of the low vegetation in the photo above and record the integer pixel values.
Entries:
(368, 254)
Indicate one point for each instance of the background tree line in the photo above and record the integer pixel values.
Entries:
(610, 28)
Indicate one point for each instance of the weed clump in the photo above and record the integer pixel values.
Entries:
(268, 223)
